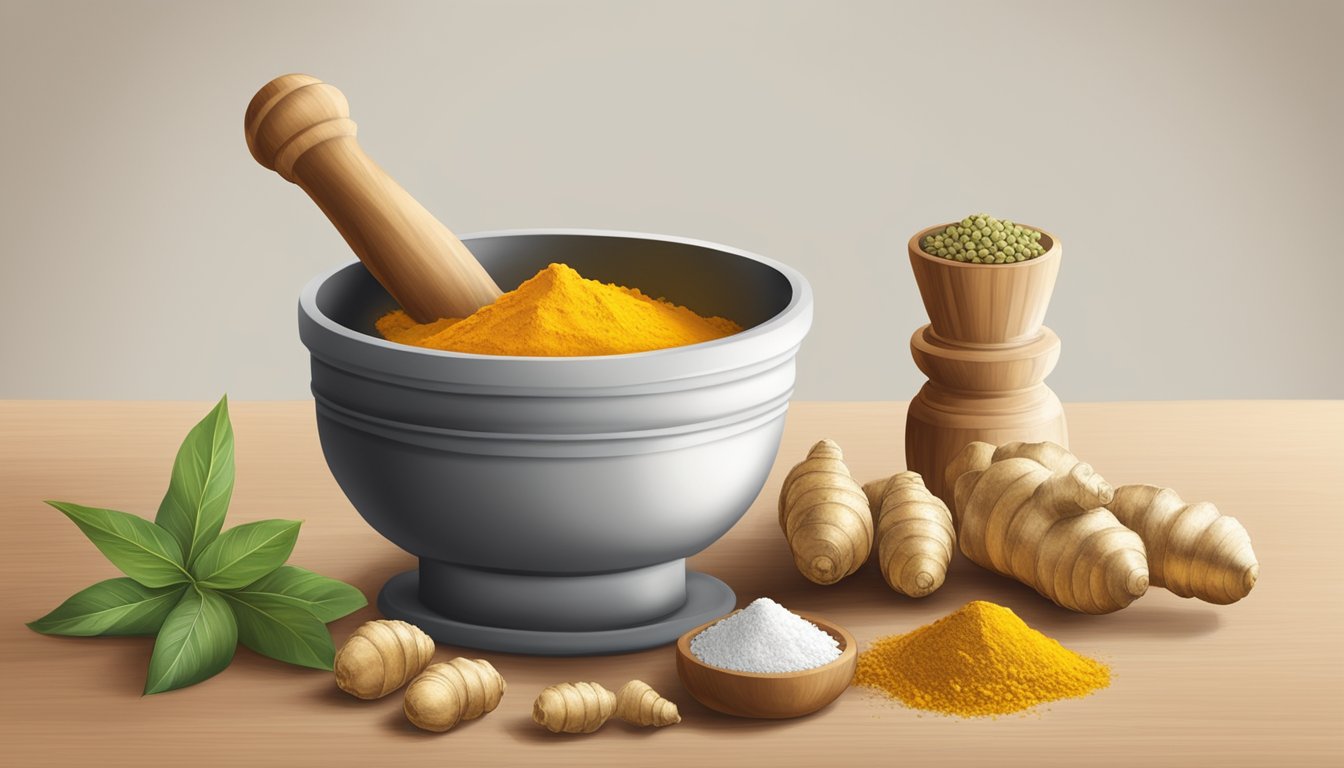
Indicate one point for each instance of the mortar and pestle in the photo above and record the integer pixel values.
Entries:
(986, 353)
(551, 501)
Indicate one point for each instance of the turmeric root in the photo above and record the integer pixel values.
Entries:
(573, 707)
(914, 533)
(584, 707)
(825, 516)
(445, 694)
(380, 656)
(1059, 461)
(976, 455)
(1193, 549)
(1052, 533)
(1052, 456)
(638, 704)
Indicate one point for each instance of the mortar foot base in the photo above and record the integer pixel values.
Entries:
(707, 598)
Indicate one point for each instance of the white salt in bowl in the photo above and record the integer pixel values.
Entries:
(776, 695)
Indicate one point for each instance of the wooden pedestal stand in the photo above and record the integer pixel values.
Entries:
(986, 354)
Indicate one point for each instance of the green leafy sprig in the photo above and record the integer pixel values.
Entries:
(200, 591)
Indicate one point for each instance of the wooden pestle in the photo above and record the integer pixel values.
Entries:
(300, 127)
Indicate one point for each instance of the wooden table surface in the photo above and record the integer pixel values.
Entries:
(1257, 683)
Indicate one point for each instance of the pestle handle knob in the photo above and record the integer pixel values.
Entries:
(300, 127)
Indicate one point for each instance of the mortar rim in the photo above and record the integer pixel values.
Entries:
(800, 302)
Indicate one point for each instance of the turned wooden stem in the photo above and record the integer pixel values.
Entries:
(300, 127)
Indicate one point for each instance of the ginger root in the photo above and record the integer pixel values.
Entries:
(825, 517)
(1051, 532)
(573, 707)
(445, 694)
(1193, 549)
(914, 533)
(380, 656)
(584, 707)
(638, 704)
(976, 455)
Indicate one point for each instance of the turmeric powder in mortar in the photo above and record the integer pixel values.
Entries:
(558, 313)
(980, 660)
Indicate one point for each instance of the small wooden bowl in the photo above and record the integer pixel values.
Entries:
(986, 304)
(776, 696)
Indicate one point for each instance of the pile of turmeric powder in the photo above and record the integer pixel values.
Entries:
(980, 660)
(558, 313)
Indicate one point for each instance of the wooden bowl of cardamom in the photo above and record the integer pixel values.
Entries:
(985, 304)
(773, 695)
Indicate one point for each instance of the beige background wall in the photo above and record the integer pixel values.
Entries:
(1187, 153)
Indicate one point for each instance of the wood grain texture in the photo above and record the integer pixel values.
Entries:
(300, 127)
(774, 696)
(1257, 683)
(984, 369)
(940, 422)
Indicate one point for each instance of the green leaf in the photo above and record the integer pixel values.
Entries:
(113, 607)
(201, 484)
(245, 553)
(196, 642)
(325, 598)
(281, 629)
(141, 549)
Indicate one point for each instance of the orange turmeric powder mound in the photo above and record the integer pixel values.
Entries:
(558, 313)
(980, 660)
